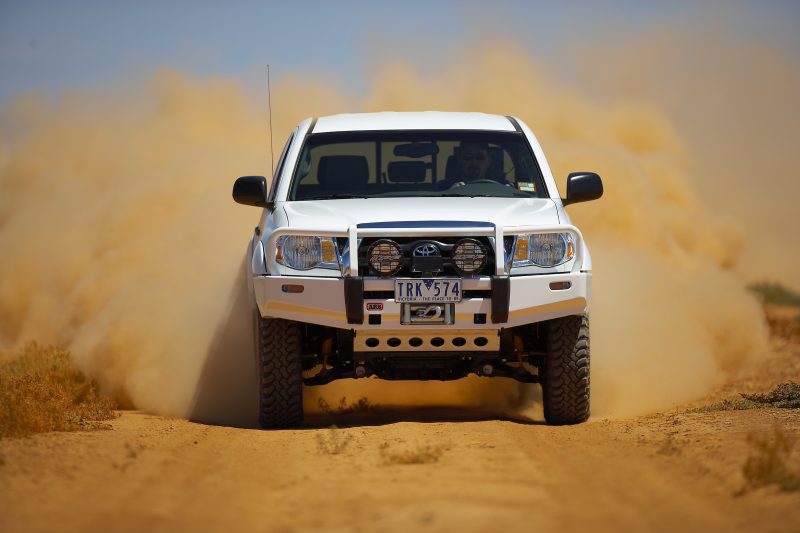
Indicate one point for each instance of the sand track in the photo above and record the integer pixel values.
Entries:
(412, 468)
(664, 472)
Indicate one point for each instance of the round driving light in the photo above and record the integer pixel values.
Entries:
(385, 257)
(469, 256)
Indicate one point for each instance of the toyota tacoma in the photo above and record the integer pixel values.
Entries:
(417, 246)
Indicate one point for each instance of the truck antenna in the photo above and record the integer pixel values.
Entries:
(269, 108)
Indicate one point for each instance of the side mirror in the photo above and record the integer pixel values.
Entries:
(251, 190)
(582, 187)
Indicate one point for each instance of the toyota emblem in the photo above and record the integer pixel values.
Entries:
(426, 249)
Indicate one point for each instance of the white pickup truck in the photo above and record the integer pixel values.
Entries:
(418, 246)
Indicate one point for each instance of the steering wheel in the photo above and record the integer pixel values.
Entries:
(503, 183)
(484, 181)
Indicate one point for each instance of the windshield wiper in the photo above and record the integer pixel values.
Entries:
(463, 195)
(335, 197)
(439, 195)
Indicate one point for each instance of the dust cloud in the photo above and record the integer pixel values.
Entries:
(121, 242)
(733, 97)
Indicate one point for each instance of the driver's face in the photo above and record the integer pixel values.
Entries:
(474, 162)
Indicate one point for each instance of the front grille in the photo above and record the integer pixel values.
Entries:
(421, 265)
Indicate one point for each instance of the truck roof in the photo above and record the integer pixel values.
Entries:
(418, 120)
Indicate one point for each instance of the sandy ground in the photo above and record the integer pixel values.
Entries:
(408, 469)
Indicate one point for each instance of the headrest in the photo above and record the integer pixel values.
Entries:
(343, 172)
(407, 171)
(451, 169)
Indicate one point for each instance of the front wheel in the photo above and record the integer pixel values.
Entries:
(280, 380)
(565, 388)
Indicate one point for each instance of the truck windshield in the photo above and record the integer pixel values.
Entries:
(416, 163)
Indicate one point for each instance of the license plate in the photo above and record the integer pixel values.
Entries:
(427, 290)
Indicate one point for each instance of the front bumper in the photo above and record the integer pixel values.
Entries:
(324, 301)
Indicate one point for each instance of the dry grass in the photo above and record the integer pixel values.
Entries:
(769, 462)
(786, 395)
(669, 446)
(361, 406)
(333, 443)
(40, 390)
(132, 453)
(417, 455)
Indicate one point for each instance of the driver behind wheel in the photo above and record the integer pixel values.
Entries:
(473, 160)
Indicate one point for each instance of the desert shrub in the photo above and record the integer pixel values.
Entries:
(334, 443)
(775, 293)
(786, 395)
(418, 454)
(41, 390)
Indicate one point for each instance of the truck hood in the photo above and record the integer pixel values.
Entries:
(341, 214)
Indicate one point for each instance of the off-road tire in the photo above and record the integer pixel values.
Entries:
(280, 380)
(565, 387)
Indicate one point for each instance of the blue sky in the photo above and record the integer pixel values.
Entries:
(48, 46)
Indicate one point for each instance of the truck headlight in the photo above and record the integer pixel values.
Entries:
(543, 249)
(303, 252)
